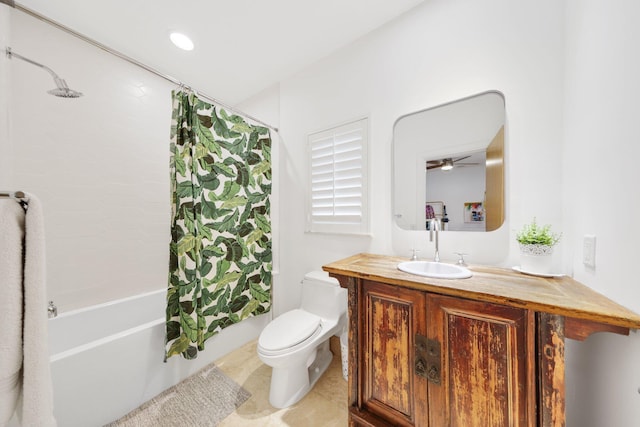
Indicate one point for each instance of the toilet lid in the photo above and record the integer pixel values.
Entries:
(288, 329)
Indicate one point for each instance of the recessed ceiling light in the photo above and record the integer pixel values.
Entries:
(182, 41)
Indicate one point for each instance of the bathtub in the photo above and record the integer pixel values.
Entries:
(107, 359)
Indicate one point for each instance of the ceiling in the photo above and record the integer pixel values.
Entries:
(241, 46)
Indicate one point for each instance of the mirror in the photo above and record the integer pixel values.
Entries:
(448, 163)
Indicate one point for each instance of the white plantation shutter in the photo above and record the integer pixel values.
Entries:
(338, 179)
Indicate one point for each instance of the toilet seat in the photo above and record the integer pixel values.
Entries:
(289, 330)
(296, 344)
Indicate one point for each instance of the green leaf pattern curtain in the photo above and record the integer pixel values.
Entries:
(220, 251)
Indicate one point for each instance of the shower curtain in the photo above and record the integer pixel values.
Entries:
(220, 251)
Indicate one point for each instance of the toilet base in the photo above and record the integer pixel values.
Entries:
(290, 384)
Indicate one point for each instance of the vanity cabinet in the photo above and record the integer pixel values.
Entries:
(388, 385)
(484, 351)
(435, 360)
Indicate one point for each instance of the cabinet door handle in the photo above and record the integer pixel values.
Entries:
(433, 374)
(421, 367)
(427, 358)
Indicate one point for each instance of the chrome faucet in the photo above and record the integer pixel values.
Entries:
(434, 227)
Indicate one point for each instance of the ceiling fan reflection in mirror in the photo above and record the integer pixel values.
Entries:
(448, 163)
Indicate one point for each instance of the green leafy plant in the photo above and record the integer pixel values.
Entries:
(533, 234)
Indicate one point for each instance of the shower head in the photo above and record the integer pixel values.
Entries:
(65, 92)
(62, 90)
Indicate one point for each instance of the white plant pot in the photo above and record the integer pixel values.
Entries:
(536, 258)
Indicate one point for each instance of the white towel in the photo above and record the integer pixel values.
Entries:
(36, 408)
(11, 234)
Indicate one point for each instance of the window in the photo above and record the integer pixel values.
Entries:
(338, 180)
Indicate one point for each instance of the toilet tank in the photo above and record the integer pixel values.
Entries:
(323, 296)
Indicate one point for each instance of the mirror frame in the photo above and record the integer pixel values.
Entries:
(495, 170)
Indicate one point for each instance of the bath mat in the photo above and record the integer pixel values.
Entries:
(204, 400)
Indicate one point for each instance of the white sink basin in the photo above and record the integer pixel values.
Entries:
(435, 269)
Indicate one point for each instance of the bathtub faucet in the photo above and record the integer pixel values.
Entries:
(52, 310)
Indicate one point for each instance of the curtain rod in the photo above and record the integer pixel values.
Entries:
(131, 60)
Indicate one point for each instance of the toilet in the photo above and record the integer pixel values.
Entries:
(296, 343)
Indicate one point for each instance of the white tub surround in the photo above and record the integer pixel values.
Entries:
(107, 360)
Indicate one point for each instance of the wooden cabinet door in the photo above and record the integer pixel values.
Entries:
(485, 376)
(391, 316)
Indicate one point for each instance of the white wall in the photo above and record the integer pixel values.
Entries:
(100, 166)
(98, 163)
(438, 52)
(5, 148)
(557, 167)
(600, 198)
(445, 50)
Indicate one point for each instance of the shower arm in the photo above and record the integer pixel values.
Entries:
(60, 82)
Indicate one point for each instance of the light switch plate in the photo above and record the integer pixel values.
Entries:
(589, 250)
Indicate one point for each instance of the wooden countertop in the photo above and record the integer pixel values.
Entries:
(562, 295)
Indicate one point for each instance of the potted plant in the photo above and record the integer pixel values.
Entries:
(536, 246)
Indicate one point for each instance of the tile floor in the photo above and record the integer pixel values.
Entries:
(325, 405)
